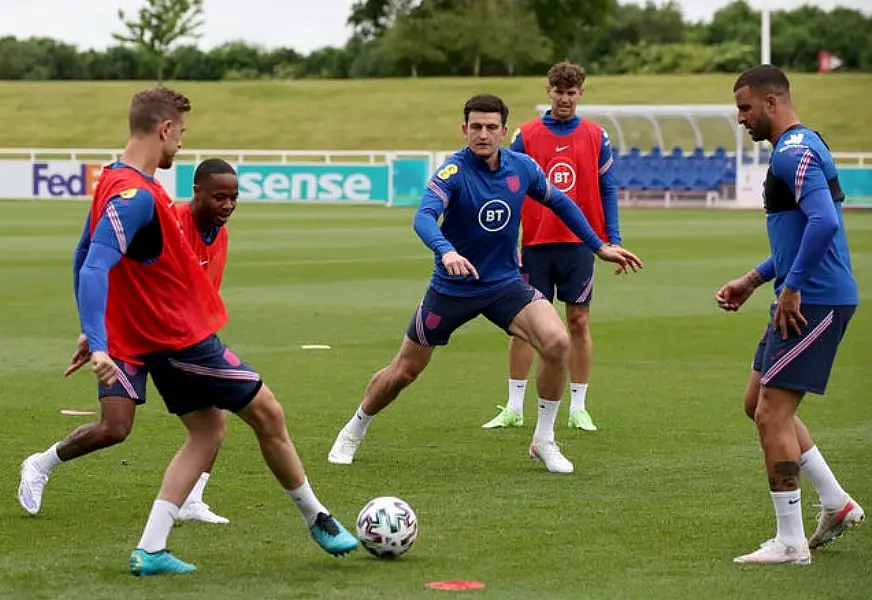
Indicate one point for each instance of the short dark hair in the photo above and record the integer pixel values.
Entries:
(212, 166)
(153, 105)
(486, 103)
(766, 79)
(565, 75)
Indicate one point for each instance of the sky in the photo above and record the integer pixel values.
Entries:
(303, 25)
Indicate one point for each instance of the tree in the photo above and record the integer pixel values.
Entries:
(418, 38)
(567, 22)
(159, 25)
(371, 18)
(735, 22)
(515, 39)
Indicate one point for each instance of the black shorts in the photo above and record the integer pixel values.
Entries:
(438, 315)
(566, 267)
(204, 375)
(803, 363)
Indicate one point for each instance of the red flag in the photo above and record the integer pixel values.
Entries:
(828, 62)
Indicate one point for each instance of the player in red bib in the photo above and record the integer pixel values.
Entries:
(576, 156)
(203, 219)
(147, 307)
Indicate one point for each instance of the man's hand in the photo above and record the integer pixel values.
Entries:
(457, 266)
(787, 312)
(80, 357)
(625, 259)
(735, 293)
(104, 368)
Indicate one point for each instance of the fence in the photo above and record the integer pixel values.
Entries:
(395, 178)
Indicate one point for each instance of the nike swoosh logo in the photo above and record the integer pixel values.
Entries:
(204, 262)
(793, 501)
(562, 148)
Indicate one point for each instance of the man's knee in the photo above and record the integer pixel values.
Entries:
(116, 420)
(578, 321)
(554, 346)
(409, 362)
(265, 407)
(774, 411)
(112, 432)
(406, 371)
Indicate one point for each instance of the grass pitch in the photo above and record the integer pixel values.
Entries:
(663, 497)
(400, 114)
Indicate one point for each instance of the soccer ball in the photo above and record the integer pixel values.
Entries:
(387, 527)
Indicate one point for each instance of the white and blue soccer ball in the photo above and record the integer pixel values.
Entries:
(387, 527)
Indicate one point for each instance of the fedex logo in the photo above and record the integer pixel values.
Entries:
(65, 179)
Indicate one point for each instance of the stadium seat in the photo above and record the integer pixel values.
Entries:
(680, 171)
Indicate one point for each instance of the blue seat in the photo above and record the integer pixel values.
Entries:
(676, 170)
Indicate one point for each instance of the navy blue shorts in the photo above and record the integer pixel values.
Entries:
(803, 363)
(438, 315)
(201, 376)
(130, 383)
(566, 267)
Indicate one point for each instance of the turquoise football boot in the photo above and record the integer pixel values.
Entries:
(156, 563)
(332, 536)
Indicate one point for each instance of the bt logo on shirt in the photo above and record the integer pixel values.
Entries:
(494, 215)
(562, 175)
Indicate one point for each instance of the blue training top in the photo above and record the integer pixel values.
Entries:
(803, 202)
(482, 216)
(94, 257)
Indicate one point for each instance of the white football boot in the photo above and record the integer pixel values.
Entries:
(549, 453)
(31, 486)
(344, 448)
(200, 511)
(776, 552)
(832, 522)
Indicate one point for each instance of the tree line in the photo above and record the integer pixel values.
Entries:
(396, 38)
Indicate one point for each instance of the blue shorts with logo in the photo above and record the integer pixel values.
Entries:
(802, 363)
(566, 267)
(200, 376)
(439, 315)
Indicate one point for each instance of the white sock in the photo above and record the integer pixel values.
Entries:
(821, 477)
(578, 394)
(358, 423)
(158, 526)
(788, 515)
(48, 460)
(545, 421)
(517, 389)
(307, 503)
(196, 494)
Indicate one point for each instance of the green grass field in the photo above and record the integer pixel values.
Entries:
(398, 114)
(664, 495)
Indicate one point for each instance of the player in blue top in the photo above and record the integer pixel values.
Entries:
(816, 298)
(479, 192)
